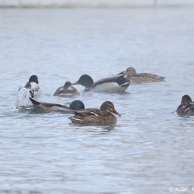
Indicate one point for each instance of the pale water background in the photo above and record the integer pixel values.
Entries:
(147, 151)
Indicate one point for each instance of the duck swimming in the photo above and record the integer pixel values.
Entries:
(48, 107)
(138, 78)
(111, 84)
(186, 107)
(31, 89)
(66, 91)
(96, 116)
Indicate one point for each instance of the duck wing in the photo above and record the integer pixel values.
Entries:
(47, 104)
(89, 112)
(58, 91)
(111, 84)
(186, 109)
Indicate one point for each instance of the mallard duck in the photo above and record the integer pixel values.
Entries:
(110, 84)
(138, 78)
(30, 89)
(186, 107)
(66, 91)
(48, 107)
(96, 116)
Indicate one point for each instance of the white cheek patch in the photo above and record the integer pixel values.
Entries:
(34, 86)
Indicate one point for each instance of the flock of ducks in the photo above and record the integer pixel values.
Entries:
(26, 97)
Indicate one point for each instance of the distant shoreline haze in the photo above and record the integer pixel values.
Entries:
(92, 3)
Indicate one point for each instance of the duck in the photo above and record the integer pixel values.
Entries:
(186, 107)
(139, 78)
(104, 115)
(67, 90)
(50, 107)
(110, 84)
(33, 86)
(30, 89)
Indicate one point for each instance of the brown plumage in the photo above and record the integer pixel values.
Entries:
(138, 78)
(186, 107)
(96, 116)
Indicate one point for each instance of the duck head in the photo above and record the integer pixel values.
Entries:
(66, 85)
(186, 99)
(33, 78)
(85, 80)
(130, 71)
(77, 105)
(109, 107)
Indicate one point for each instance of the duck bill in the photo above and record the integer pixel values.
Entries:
(115, 112)
(76, 83)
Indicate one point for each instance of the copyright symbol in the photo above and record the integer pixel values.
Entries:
(171, 189)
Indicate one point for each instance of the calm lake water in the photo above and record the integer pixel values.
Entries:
(149, 149)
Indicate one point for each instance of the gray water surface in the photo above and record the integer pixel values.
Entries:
(149, 149)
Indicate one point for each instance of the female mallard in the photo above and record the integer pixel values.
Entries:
(138, 78)
(186, 107)
(110, 84)
(30, 89)
(47, 107)
(66, 91)
(96, 116)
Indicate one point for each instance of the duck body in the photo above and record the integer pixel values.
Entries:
(66, 91)
(139, 78)
(96, 116)
(186, 107)
(50, 107)
(31, 89)
(111, 84)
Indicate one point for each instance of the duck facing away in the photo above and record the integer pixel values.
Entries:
(30, 89)
(110, 84)
(66, 91)
(104, 115)
(138, 78)
(186, 107)
(32, 85)
(50, 107)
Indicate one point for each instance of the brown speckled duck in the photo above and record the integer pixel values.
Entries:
(139, 78)
(96, 116)
(66, 91)
(186, 107)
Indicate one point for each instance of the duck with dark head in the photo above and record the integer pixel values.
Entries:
(186, 107)
(109, 84)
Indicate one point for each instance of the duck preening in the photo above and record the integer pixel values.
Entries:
(30, 89)
(104, 115)
(50, 107)
(138, 78)
(32, 85)
(186, 107)
(66, 91)
(109, 84)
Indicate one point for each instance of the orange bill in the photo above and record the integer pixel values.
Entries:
(115, 112)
